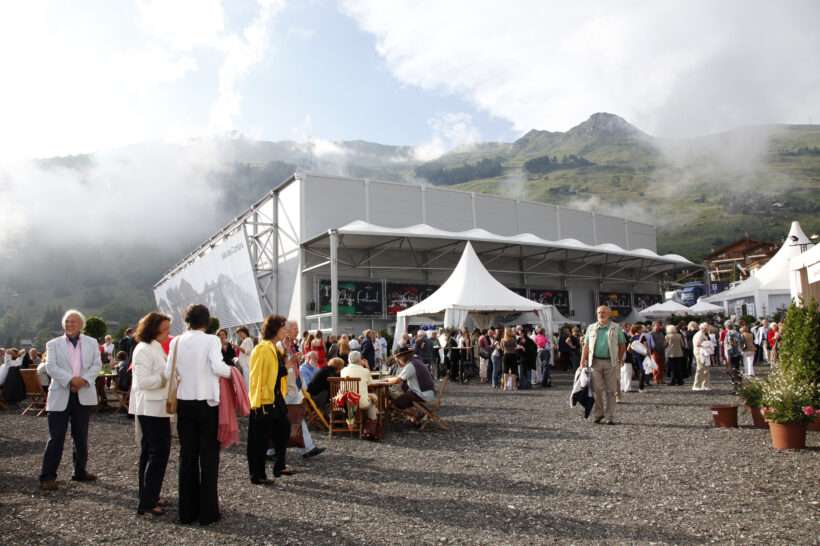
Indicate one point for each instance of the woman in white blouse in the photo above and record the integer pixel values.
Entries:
(245, 350)
(148, 395)
(199, 366)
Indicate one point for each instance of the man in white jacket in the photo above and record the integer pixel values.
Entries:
(73, 364)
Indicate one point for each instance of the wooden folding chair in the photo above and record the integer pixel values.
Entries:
(338, 417)
(313, 414)
(35, 395)
(431, 411)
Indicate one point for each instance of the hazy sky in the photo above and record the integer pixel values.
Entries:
(85, 75)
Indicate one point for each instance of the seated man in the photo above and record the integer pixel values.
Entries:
(309, 368)
(416, 383)
(319, 388)
(358, 368)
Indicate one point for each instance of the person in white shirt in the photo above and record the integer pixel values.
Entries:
(108, 350)
(199, 365)
(149, 392)
(704, 349)
(358, 368)
(295, 397)
(245, 350)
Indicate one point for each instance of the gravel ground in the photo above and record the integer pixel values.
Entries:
(515, 468)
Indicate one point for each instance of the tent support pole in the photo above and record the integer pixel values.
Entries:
(334, 281)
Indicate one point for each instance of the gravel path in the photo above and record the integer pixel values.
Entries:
(515, 468)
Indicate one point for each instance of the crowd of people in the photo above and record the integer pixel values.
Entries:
(205, 381)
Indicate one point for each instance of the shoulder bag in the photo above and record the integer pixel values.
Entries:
(171, 402)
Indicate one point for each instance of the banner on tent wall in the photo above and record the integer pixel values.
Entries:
(619, 302)
(222, 279)
(557, 298)
(401, 296)
(358, 298)
(642, 301)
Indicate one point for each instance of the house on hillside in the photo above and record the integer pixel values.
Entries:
(736, 260)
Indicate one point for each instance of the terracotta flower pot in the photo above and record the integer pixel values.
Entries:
(757, 417)
(788, 435)
(725, 416)
(814, 424)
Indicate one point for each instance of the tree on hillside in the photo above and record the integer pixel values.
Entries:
(437, 173)
(96, 328)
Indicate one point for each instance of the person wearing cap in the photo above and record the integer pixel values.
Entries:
(603, 348)
(415, 380)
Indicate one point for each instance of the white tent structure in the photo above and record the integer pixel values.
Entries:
(768, 288)
(805, 275)
(665, 309)
(472, 291)
(704, 308)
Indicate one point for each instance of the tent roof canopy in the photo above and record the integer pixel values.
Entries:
(472, 288)
(774, 274)
(664, 309)
(361, 234)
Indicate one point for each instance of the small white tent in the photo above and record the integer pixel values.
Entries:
(472, 291)
(665, 309)
(768, 288)
(705, 308)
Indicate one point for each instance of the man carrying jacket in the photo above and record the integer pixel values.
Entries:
(604, 345)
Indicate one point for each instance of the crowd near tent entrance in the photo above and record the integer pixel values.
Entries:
(471, 292)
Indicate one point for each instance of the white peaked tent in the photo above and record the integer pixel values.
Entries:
(704, 308)
(665, 309)
(768, 288)
(472, 291)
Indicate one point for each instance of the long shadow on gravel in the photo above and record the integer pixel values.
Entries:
(473, 516)
(12, 447)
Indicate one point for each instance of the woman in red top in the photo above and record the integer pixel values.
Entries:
(318, 347)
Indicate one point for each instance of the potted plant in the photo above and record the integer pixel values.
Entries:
(800, 349)
(787, 404)
(750, 392)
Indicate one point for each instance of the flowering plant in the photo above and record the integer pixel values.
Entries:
(785, 399)
(349, 402)
(750, 391)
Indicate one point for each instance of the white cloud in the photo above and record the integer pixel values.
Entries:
(241, 54)
(674, 69)
(185, 24)
(451, 131)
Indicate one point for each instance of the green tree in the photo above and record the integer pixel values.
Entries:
(96, 328)
(800, 342)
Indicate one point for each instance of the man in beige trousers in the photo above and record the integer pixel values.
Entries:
(604, 346)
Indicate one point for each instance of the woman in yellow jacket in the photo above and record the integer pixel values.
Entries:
(269, 413)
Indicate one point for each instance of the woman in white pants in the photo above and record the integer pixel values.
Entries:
(704, 348)
(747, 345)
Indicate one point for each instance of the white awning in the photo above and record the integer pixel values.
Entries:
(665, 309)
(363, 228)
(703, 307)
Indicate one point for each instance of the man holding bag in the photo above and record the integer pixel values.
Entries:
(604, 345)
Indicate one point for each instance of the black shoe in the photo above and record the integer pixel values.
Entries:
(313, 452)
(261, 481)
(598, 420)
(87, 477)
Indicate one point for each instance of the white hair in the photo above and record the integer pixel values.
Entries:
(77, 314)
(355, 357)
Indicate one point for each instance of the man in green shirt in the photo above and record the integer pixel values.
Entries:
(603, 351)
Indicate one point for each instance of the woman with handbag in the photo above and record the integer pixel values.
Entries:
(193, 369)
(149, 393)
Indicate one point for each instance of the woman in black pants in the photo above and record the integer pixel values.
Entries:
(269, 414)
(149, 392)
(196, 358)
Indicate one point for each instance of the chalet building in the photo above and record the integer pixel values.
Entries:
(736, 260)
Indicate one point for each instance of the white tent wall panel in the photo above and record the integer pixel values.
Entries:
(577, 224)
(290, 300)
(395, 205)
(642, 236)
(448, 209)
(538, 219)
(610, 229)
(496, 214)
(331, 202)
